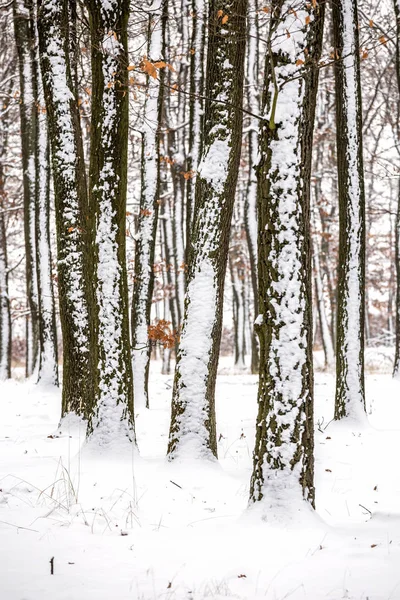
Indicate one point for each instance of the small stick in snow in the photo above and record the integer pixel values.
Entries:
(51, 561)
(181, 488)
(365, 508)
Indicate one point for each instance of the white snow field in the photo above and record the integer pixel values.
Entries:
(127, 527)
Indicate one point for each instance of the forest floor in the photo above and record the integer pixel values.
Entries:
(138, 528)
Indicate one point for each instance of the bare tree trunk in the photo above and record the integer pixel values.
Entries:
(283, 471)
(193, 426)
(5, 313)
(149, 204)
(396, 366)
(197, 53)
(111, 419)
(48, 359)
(5, 308)
(250, 212)
(350, 397)
(25, 42)
(71, 206)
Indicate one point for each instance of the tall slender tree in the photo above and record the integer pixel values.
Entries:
(350, 396)
(111, 416)
(149, 205)
(8, 63)
(5, 310)
(396, 367)
(250, 213)
(197, 54)
(283, 456)
(24, 29)
(193, 426)
(71, 204)
(48, 355)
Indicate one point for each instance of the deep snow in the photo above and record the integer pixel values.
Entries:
(140, 528)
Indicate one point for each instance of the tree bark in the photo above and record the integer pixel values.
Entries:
(25, 42)
(5, 307)
(197, 54)
(111, 420)
(283, 469)
(350, 396)
(48, 356)
(149, 205)
(396, 366)
(71, 204)
(193, 425)
(250, 213)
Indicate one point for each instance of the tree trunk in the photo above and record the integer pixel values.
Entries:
(323, 321)
(5, 308)
(48, 359)
(147, 227)
(396, 367)
(5, 313)
(71, 206)
(250, 212)
(25, 42)
(283, 457)
(111, 420)
(193, 426)
(197, 51)
(350, 398)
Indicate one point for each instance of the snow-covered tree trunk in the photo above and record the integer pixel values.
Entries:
(48, 359)
(25, 41)
(250, 212)
(111, 420)
(71, 206)
(283, 456)
(177, 167)
(197, 53)
(177, 151)
(5, 313)
(350, 398)
(147, 226)
(5, 308)
(396, 367)
(193, 426)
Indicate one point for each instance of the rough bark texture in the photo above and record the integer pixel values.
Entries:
(111, 416)
(283, 469)
(25, 41)
(193, 426)
(350, 396)
(71, 206)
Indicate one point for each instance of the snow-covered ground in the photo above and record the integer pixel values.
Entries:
(139, 528)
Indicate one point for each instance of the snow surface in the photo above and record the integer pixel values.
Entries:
(144, 529)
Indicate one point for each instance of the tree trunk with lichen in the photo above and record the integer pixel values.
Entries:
(283, 469)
